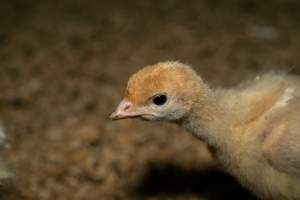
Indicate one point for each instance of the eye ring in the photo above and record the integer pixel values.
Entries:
(159, 99)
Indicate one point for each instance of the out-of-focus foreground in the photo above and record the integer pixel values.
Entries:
(64, 66)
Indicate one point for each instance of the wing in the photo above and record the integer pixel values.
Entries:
(282, 146)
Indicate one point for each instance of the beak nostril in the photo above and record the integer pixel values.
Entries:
(127, 107)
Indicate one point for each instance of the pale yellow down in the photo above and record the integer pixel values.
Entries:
(253, 130)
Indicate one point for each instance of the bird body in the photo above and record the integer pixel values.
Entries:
(249, 128)
(252, 130)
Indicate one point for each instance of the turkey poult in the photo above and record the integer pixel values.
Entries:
(252, 130)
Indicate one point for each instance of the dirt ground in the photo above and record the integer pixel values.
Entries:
(63, 69)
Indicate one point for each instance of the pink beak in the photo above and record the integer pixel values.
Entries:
(123, 111)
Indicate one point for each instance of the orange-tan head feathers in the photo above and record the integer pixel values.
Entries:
(161, 91)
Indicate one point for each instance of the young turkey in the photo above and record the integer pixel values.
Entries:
(252, 130)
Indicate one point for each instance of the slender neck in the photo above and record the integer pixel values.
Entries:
(205, 118)
(216, 113)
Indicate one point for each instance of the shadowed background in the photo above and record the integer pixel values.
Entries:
(64, 67)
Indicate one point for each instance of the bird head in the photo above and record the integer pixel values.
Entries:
(164, 91)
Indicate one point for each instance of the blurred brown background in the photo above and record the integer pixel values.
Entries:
(63, 69)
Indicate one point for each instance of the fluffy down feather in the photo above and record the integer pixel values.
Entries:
(253, 128)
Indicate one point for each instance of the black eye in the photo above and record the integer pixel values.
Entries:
(159, 99)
